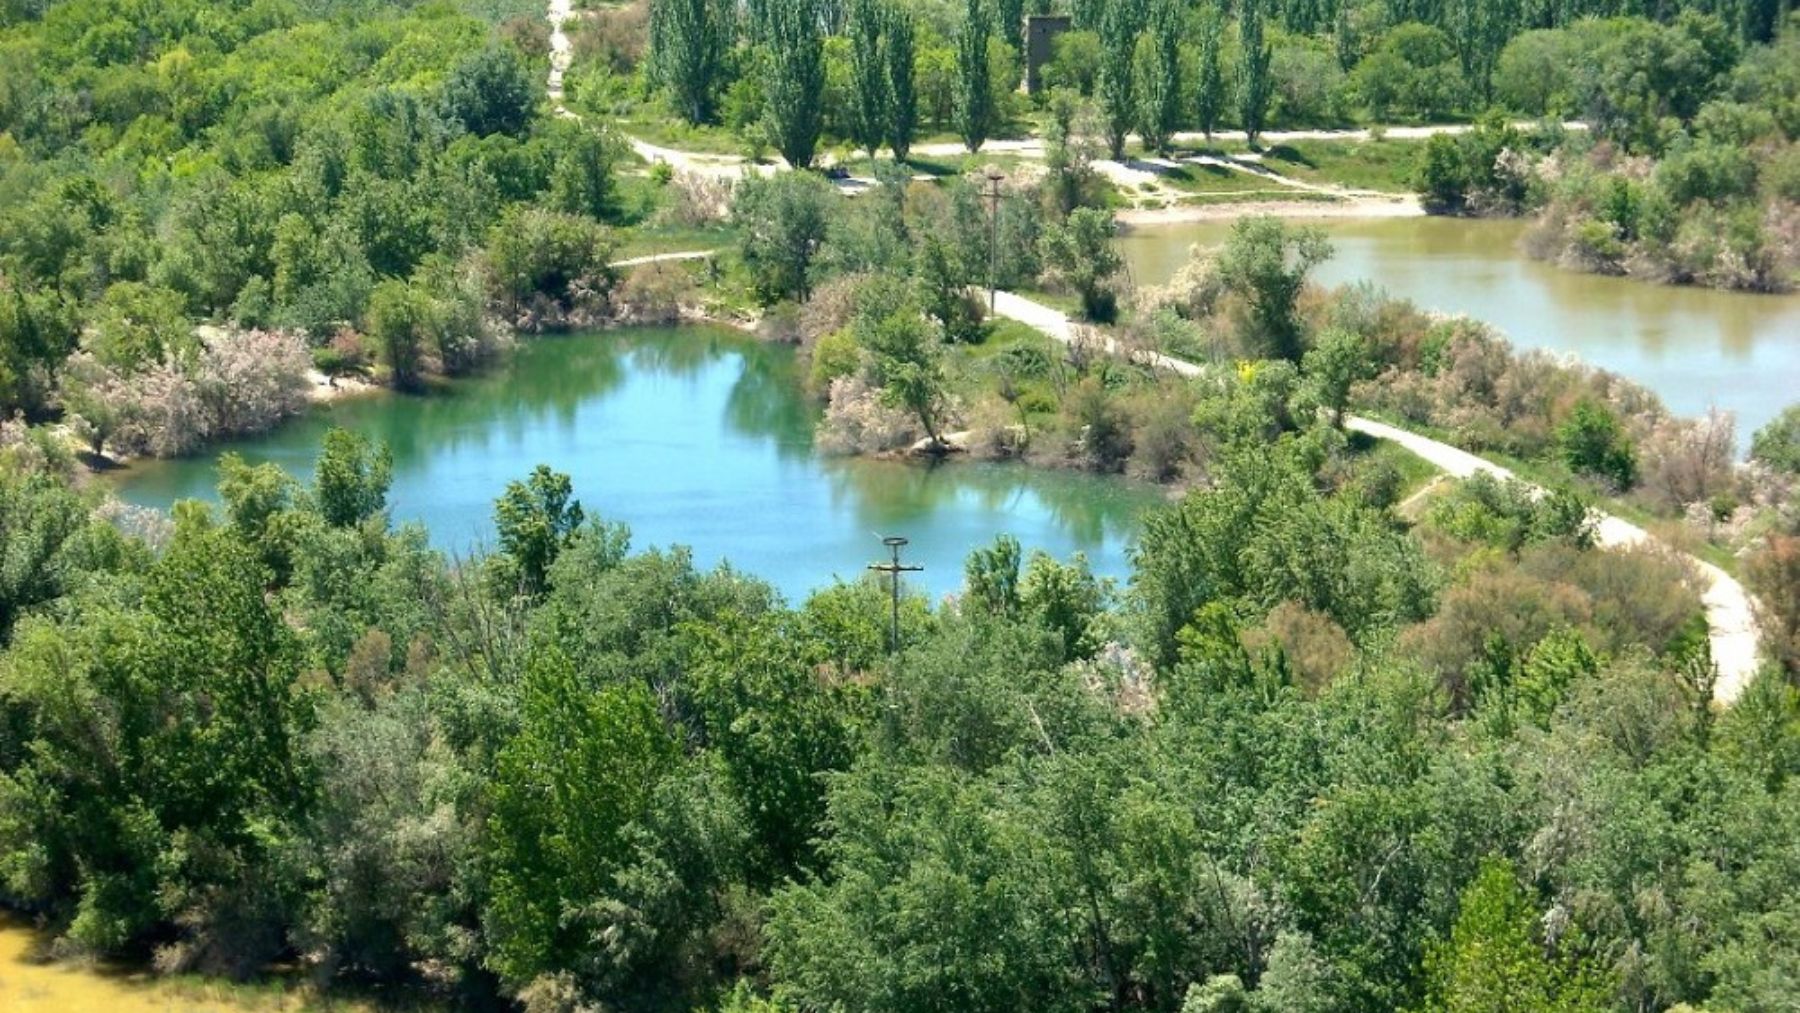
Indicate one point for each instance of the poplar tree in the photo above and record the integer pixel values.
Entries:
(897, 51)
(1254, 83)
(1117, 41)
(1480, 29)
(1159, 76)
(796, 80)
(688, 41)
(1211, 83)
(868, 75)
(975, 112)
(1011, 17)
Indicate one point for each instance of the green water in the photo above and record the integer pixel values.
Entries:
(694, 436)
(1697, 348)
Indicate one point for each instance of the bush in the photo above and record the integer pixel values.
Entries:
(1778, 443)
(1591, 442)
(1773, 574)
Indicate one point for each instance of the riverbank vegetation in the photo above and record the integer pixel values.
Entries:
(333, 186)
(1687, 173)
(1316, 754)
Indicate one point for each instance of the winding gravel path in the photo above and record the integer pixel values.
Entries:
(1730, 616)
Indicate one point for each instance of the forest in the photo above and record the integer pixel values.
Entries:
(1313, 755)
(1347, 736)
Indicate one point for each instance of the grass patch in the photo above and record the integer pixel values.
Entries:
(1415, 472)
(648, 240)
(1217, 180)
(1362, 165)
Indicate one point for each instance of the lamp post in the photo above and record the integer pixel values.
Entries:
(994, 176)
(893, 569)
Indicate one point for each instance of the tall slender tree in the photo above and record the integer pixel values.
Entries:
(688, 42)
(898, 53)
(1118, 37)
(868, 75)
(1159, 76)
(796, 85)
(1210, 87)
(1010, 18)
(976, 115)
(1254, 84)
(1480, 30)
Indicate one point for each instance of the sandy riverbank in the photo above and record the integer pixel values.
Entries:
(1397, 206)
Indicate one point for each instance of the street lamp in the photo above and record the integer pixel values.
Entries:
(894, 543)
(994, 176)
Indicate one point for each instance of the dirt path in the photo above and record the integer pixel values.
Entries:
(663, 258)
(1031, 147)
(1730, 618)
(1393, 206)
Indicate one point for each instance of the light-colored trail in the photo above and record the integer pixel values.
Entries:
(663, 258)
(562, 53)
(1730, 617)
(1031, 147)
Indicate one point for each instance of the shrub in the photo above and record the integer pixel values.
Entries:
(247, 381)
(1316, 649)
(1689, 461)
(656, 293)
(1773, 574)
(1778, 443)
(1591, 442)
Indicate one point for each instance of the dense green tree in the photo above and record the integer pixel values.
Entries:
(581, 183)
(796, 81)
(350, 482)
(136, 325)
(1494, 959)
(568, 789)
(689, 42)
(41, 533)
(779, 730)
(1265, 263)
(908, 365)
(491, 92)
(189, 785)
(871, 118)
(944, 292)
(1778, 443)
(784, 223)
(977, 112)
(1209, 83)
(561, 257)
(1482, 31)
(1080, 252)
(398, 324)
(37, 331)
(1115, 87)
(1255, 86)
(1592, 442)
(536, 520)
(1158, 71)
(899, 59)
(1337, 360)
(991, 577)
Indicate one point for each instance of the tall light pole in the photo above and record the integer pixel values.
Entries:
(894, 543)
(994, 176)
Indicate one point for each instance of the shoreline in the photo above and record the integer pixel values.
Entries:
(1397, 206)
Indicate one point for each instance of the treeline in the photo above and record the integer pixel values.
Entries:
(376, 185)
(1312, 757)
(875, 72)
